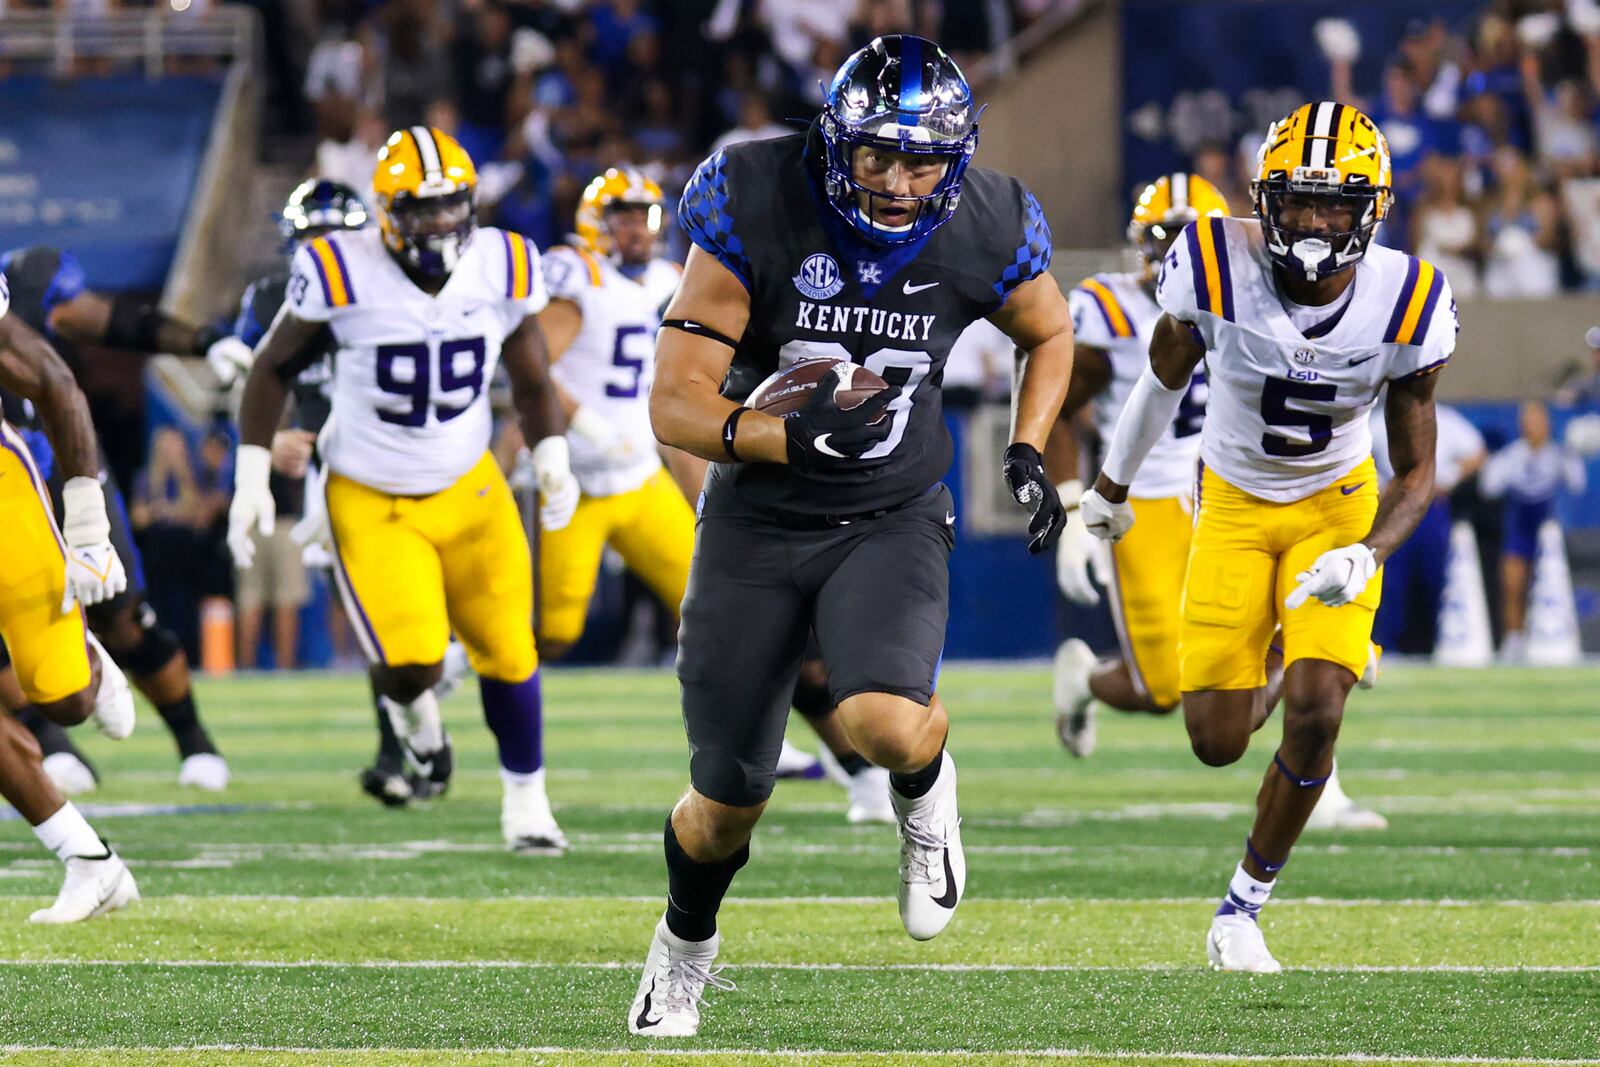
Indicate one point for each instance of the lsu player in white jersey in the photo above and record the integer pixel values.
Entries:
(606, 290)
(1301, 321)
(426, 535)
(1114, 316)
(46, 574)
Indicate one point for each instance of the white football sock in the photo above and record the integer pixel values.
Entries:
(517, 778)
(1245, 893)
(420, 725)
(67, 833)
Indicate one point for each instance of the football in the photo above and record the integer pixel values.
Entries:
(788, 391)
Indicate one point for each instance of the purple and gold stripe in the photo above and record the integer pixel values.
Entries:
(336, 287)
(1208, 257)
(1110, 310)
(1419, 295)
(519, 268)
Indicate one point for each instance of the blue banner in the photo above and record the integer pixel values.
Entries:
(1221, 71)
(104, 168)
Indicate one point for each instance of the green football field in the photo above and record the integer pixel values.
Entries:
(293, 921)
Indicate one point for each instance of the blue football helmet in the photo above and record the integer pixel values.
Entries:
(318, 205)
(901, 94)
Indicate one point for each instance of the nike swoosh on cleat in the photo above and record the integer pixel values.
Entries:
(1346, 490)
(948, 898)
(644, 1019)
(910, 289)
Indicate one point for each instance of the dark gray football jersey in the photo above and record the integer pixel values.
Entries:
(819, 290)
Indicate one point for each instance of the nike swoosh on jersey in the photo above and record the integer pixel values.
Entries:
(910, 289)
(1346, 490)
(1363, 359)
(947, 899)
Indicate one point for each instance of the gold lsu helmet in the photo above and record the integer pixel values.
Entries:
(617, 187)
(425, 188)
(1331, 157)
(1166, 206)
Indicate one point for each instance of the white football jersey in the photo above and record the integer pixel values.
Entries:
(610, 365)
(1115, 313)
(5, 296)
(1286, 413)
(412, 371)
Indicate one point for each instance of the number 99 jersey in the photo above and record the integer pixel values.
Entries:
(411, 370)
(610, 364)
(1115, 313)
(1286, 412)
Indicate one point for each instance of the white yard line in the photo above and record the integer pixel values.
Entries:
(869, 901)
(885, 1054)
(616, 965)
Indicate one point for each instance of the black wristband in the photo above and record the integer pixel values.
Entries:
(729, 429)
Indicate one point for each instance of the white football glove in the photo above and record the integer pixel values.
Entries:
(1074, 549)
(1583, 435)
(599, 431)
(94, 571)
(558, 488)
(253, 507)
(314, 533)
(1107, 521)
(229, 358)
(1337, 577)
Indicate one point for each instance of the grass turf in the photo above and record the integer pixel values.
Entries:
(1096, 874)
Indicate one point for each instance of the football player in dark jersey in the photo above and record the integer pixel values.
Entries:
(317, 206)
(49, 293)
(868, 239)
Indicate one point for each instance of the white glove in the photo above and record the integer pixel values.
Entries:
(313, 533)
(228, 359)
(94, 571)
(1583, 435)
(1074, 548)
(1337, 577)
(558, 489)
(252, 506)
(1107, 521)
(601, 432)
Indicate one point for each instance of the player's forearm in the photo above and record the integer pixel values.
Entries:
(1046, 370)
(691, 416)
(1150, 409)
(65, 411)
(261, 406)
(1401, 506)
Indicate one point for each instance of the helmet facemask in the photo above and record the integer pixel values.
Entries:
(1351, 212)
(432, 231)
(904, 99)
(651, 214)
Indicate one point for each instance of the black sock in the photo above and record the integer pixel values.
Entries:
(184, 722)
(52, 738)
(915, 785)
(853, 763)
(695, 890)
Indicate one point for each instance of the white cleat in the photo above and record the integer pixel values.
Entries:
(113, 701)
(676, 974)
(933, 868)
(527, 823)
(69, 774)
(1336, 811)
(1235, 943)
(95, 885)
(869, 798)
(795, 762)
(1074, 702)
(205, 770)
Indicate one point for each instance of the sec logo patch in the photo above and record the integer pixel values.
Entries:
(819, 277)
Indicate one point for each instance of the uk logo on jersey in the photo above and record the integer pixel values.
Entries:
(868, 273)
(819, 277)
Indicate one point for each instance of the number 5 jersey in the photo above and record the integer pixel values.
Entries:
(411, 373)
(1286, 412)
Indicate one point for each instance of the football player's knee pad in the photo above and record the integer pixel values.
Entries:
(718, 774)
(154, 649)
(811, 696)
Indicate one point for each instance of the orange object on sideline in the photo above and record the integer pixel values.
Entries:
(216, 635)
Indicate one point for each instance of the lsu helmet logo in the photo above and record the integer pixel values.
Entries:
(1321, 187)
(1165, 207)
(426, 191)
(618, 187)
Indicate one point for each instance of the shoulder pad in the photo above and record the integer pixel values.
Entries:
(1415, 303)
